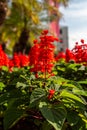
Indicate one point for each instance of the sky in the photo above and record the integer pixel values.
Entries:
(75, 17)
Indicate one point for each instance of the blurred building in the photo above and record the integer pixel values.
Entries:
(54, 24)
(58, 31)
(63, 36)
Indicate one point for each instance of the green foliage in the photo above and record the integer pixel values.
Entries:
(12, 114)
(54, 114)
(23, 95)
(37, 95)
(72, 71)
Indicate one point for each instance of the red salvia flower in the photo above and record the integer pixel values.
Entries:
(51, 93)
(24, 60)
(42, 54)
(80, 52)
(33, 56)
(11, 64)
(61, 55)
(47, 52)
(4, 60)
(69, 55)
(16, 60)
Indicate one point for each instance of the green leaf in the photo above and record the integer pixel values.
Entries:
(80, 125)
(66, 94)
(46, 126)
(12, 115)
(69, 85)
(72, 67)
(80, 92)
(5, 68)
(76, 84)
(10, 95)
(37, 95)
(20, 84)
(3, 98)
(82, 82)
(54, 115)
(2, 85)
(72, 117)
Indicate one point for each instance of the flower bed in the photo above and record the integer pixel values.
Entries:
(41, 91)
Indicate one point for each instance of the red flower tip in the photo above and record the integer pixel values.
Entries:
(44, 32)
(35, 41)
(82, 40)
(56, 39)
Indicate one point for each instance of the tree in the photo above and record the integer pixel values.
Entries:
(3, 9)
(25, 21)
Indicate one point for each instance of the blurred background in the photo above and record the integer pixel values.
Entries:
(21, 21)
(75, 18)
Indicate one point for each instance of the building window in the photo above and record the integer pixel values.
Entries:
(61, 49)
(61, 31)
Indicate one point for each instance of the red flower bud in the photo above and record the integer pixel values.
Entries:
(82, 40)
(51, 93)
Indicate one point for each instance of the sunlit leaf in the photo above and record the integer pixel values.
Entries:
(37, 95)
(55, 116)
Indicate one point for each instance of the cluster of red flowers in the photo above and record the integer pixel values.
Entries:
(42, 54)
(18, 60)
(70, 56)
(60, 55)
(40, 58)
(4, 61)
(78, 54)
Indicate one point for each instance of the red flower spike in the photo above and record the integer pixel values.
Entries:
(33, 54)
(42, 54)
